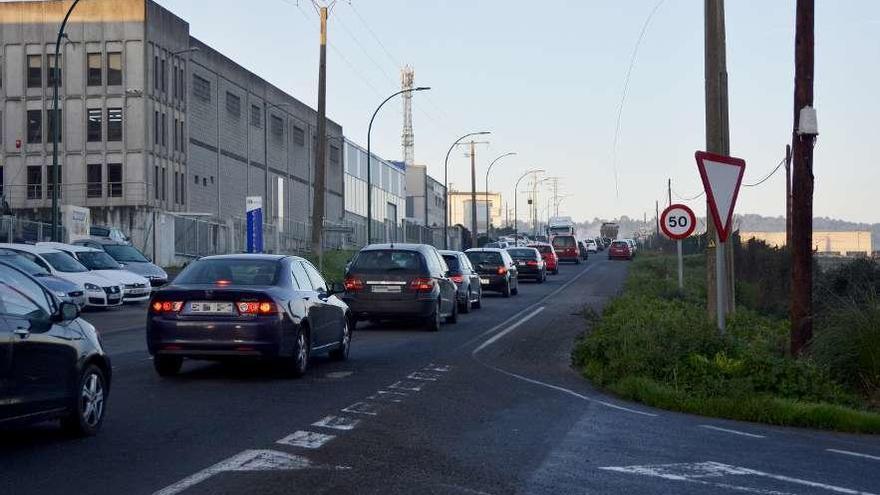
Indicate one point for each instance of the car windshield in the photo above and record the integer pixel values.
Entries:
(230, 271)
(522, 254)
(125, 254)
(563, 242)
(485, 258)
(64, 262)
(23, 264)
(99, 231)
(387, 260)
(97, 260)
(452, 262)
(543, 249)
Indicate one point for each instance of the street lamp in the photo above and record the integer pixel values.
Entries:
(370, 156)
(516, 200)
(191, 49)
(56, 129)
(488, 216)
(446, 185)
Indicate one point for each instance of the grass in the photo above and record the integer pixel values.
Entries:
(654, 344)
(334, 264)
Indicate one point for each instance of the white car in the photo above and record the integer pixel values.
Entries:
(135, 288)
(592, 247)
(100, 292)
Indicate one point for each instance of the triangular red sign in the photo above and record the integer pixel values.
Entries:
(722, 177)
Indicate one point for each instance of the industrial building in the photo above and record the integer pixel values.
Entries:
(852, 243)
(461, 207)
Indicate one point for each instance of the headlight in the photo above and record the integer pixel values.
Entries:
(92, 287)
(62, 295)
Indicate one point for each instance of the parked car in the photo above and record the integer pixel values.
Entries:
(64, 290)
(134, 287)
(582, 250)
(401, 281)
(248, 306)
(497, 270)
(109, 233)
(470, 293)
(548, 254)
(620, 250)
(100, 292)
(529, 263)
(592, 246)
(566, 248)
(52, 364)
(130, 258)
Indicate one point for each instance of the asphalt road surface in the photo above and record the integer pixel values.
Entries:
(489, 405)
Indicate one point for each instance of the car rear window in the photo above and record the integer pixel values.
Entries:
(485, 258)
(381, 261)
(452, 262)
(620, 244)
(563, 242)
(523, 254)
(543, 249)
(230, 272)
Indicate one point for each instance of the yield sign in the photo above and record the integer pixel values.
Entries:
(722, 176)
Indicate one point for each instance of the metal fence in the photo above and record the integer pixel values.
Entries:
(15, 229)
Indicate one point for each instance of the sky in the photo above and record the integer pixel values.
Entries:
(547, 79)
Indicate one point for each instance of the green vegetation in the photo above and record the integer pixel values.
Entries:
(655, 345)
(334, 264)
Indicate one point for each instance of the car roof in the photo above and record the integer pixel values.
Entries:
(485, 250)
(395, 246)
(248, 256)
(29, 248)
(100, 240)
(449, 252)
(60, 246)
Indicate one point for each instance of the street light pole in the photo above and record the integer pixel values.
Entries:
(488, 216)
(370, 156)
(516, 201)
(56, 129)
(446, 185)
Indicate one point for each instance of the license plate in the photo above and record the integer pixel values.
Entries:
(211, 307)
(138, 292)
(484, 281)
(520, 263)
(386, 289)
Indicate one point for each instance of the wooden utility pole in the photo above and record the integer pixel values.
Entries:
(802, 187)
(788, 197)
(669, 192)
(474, 195)
(717, 141)
(319, 189)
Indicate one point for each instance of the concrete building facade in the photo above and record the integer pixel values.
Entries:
(425, 198)
(388, 180)
(461, 207)
(153, 120)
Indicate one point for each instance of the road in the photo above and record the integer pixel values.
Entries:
(489, 405)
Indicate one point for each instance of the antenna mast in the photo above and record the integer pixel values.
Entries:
(407, 78)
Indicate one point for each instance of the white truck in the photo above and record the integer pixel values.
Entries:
(560, 226)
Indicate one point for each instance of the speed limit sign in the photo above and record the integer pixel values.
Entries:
(678, 222)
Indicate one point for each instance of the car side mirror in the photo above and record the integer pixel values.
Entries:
(335, 288)
(121, 266)
(66, 312)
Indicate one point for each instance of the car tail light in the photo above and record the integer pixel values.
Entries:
(532, 263)
(502, 270)
(422, 284)
(166, 306)
(457, 278)
(257, 307)
(354, 284)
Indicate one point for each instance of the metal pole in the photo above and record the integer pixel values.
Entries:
(680, 266)
(446, 185)
(720, 298)
(488, 220)
(473, 194)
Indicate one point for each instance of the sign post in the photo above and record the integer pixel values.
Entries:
(254, 209)
(722, 178)
(678, 222)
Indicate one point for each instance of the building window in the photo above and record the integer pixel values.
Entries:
(51, 120)
(182, 74)
(201, 88)
(299, 136)
(95, 77)
(182, 188)
(182, 137)
(156, 127)
(49, 181)
(35, 71)
(94, 183)
(204, 182)
(94, 125)
(277, 126)
(196, 181)
(114, 180)
(162, 75)
(176, 188)
(164, 129)
(256, 120)
(1, 180)
(156, 72)
(114, 124)
(50, 62)
(174, 141)
(233, 104)
(35, 126)
(35, 182)
(174, 80)
(334, 154)
(164, 185)
(114, 69)
(156, 182)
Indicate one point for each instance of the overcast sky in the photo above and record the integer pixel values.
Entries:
(547, 77)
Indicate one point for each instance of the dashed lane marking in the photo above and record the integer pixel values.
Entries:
(734, 432)
(442, 368)
(387, 396)
(420, 375)
(337, 423)
(338, 374)
(855, 454)
(407, 385)
(368, 408)
(306, 439)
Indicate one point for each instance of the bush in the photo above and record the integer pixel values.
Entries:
(847, 342)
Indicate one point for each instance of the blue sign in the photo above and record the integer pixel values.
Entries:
(254, 209)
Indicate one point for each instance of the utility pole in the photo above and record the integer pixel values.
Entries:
(321, 150)
(788, 197)
(657, 216)
(717, 141)
(802, 187)
(669, 192)
(473, 194)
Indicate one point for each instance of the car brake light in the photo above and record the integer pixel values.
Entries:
(502, 270)
(257, 308)
(532, 263)
(166, 306)
(457, 278)
(354, 284)
(422, 284)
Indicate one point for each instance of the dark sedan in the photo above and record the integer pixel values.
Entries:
(401, 281)
(470, 292)
(497, 270)
(247, 306)
(52, 364)
(529, 263)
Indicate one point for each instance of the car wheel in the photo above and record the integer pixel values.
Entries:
(87, 413)
(297, 365)
(341, 352)
(433, 321)
(506, 291)
(453, 318)
(556, 271)
(515, 289)
(467, 304)
(167, 365)
(479, 302)
(577, 261)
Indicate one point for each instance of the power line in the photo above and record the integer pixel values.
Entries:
(767, 177)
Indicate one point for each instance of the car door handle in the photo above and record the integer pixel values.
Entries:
(22, 332)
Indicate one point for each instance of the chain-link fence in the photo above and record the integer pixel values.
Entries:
(15, 229)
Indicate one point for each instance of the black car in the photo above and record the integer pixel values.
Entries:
(409, 281)
(52, 364)
(470, 292)
(497, 270)
(582, 249)
(529, 263)
(247, 306)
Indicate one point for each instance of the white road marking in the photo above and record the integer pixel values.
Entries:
(337, 423)
(368, 408)
(855, 454)
(407, 385)
(509, 329)
(700, 472)
(338, 374)
(389, 396)
(735, 432)
(442, 368)
(418, 375)
(306, 439)
(249, 460)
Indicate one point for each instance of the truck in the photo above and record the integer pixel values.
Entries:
(609, 230)
(560, 226)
